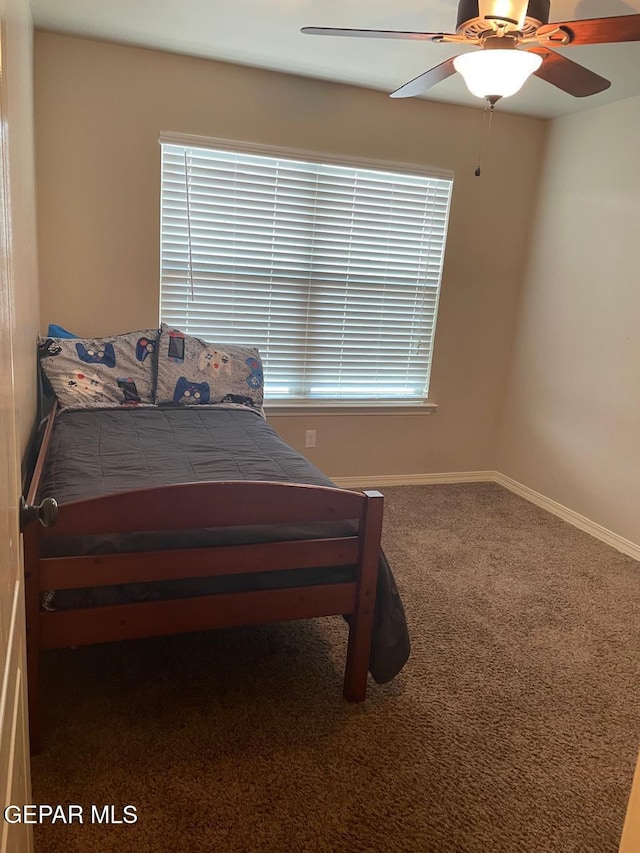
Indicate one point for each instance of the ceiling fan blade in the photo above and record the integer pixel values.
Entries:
(421, 84)
(371, 34)
(567, 75)
(599, 30)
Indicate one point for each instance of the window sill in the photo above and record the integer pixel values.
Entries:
(331, 409)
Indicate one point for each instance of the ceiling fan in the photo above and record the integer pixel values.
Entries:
(516, 40)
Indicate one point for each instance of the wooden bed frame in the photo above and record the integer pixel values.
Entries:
(201, 505)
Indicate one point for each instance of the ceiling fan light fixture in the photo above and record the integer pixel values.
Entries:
(513, 11)
(496, 73)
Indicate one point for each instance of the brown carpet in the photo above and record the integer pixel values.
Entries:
(514, 726)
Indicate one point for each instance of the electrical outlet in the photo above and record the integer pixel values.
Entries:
(310, 439)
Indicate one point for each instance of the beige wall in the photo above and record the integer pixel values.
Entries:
(18, 109)
(99, 109)
(571, 424)
(630, 842)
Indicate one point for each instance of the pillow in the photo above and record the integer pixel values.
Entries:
(58, 332)
(101, 373)
(192, 372)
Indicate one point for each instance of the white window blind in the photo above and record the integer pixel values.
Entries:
(333, 271)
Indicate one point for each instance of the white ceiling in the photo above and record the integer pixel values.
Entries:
(265, 33)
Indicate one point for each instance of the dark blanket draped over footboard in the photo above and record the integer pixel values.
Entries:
(100, 452)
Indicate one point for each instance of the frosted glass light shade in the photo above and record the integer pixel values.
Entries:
(496, 73)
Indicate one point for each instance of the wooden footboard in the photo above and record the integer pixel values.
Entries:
(206, 505)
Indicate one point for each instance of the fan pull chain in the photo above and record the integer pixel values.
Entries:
(487, 117)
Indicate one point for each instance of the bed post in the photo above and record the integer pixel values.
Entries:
(361, 620)
(32, 607)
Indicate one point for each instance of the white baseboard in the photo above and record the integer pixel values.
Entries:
(574, 518)
(627, 547)
(414, 479)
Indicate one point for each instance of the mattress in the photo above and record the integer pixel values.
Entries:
(101, 452)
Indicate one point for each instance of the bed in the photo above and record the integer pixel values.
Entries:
(175, 520)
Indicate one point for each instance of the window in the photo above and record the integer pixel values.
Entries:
(332, 270)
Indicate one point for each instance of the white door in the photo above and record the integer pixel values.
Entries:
(15, 781)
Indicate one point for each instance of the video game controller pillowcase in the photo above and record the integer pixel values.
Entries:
(192, 372)
(101, 373)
